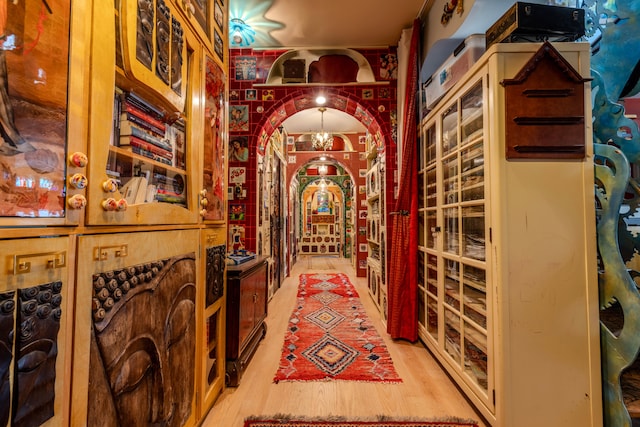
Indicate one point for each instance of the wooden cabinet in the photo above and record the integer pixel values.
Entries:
(136, 329)
(246, 311)
(508, 298)
(36, 318)
(135, 284)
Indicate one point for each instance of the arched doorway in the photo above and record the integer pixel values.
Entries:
(376, 131)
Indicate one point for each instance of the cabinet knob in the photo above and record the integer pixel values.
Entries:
(110, 204)
(122, 205)
(78, 181)
(77, 201)
(110, 185)
(78, 159)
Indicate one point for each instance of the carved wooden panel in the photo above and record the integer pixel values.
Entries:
(544, 109)
(163, 38)
(31, 365)
(216, 261)
(38, 320)
(7, 313)
(142, 338)
(144, 32)
(177, 41)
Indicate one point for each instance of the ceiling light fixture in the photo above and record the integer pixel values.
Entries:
(322, 140)
(241, 33)
(323, 169)
(320, 100)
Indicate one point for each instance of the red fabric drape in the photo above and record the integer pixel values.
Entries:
(403, 288)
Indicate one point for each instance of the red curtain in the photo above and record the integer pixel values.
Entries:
(403, 288)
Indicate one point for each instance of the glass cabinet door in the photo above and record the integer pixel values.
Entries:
(43, 118)
(452, 252)
(473, 309)
(215, 135)
(428, 317)
(143, 135)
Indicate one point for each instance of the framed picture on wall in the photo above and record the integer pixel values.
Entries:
(218, 45)
(245, 67)
(236, 212)
(237, 175)
(250, 94)
(239, 118)
(218, 15)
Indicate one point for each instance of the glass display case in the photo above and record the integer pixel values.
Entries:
(503, 241)
(146, 110)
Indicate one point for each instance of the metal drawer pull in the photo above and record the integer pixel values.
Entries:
(22, 266)
(100, 252)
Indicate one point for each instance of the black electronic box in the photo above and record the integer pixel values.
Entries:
(532, 22)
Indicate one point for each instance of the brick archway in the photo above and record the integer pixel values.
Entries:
(337, 99)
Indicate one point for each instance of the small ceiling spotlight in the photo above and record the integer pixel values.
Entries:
(321, 100)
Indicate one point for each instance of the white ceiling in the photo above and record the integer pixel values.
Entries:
(326, 24)
(308, 121)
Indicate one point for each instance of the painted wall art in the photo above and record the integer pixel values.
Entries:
(214, 147)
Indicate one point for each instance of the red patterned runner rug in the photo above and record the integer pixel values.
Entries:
(330, 337)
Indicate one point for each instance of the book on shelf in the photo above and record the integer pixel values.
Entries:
(129, 131)
(150, 155)
(142, 104)
(170, 198)
(129, 121)
(132, 110)
(117, 110)
(140, 143)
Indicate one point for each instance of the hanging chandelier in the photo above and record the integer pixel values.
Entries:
(322, 140)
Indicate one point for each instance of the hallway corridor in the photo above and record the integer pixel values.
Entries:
(426, 390)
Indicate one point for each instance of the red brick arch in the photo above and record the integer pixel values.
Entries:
(340, 100)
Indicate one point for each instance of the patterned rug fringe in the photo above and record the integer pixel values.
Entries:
(431, 422)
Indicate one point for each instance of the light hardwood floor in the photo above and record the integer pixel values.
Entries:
(426, 390)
